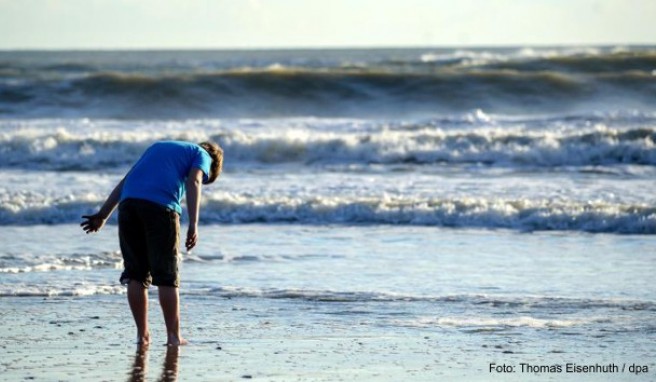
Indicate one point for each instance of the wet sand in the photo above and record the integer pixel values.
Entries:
(82, 339)
(90, 339)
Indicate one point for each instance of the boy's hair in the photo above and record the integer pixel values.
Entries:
(216, 153)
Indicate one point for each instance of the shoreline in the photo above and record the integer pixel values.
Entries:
(89, 338)
(339, 303)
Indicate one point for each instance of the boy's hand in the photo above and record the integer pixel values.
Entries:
(93, 223)
(192, 237)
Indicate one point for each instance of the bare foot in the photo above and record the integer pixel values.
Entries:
(176, 341)
(143, 340)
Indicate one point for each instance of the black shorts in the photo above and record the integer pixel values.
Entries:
(149, 237)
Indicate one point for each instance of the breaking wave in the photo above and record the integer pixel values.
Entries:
(388, 145)
(521, 214)
(428, 83)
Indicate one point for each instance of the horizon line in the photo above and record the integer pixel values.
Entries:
(331, 47)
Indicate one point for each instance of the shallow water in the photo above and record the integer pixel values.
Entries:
(454, 278)
(394, 298)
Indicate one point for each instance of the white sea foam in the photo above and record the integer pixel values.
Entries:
(465, 57)
(73, 147)
(537, 304)
(497, 213)
(491, 323)
(467, 170)
(82, 262)
(59, 291)
(521, 214)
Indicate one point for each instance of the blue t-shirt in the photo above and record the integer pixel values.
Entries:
(159, 175)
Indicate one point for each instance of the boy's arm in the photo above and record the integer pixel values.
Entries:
(193, 185)
(95, 222)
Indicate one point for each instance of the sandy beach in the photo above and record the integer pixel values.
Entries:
(80, 339)
(83, 339)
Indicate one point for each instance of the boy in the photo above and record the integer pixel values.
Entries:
(149, 199)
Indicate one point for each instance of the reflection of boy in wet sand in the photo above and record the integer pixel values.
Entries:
(148, 223)
(140, 365)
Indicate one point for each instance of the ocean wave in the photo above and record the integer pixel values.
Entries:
(500, 83)
(538, 304)
(492, 324)
(29, 263)
(72, 262)
(80, 290)
(418, 143)
(520, 214)
(240, 258)
(525, 215)
(426, 145)
(574, 60)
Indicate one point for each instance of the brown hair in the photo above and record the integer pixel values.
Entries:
(216, 153)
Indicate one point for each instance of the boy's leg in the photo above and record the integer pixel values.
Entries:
(170, 301)
(162, 240)
(138, 300)
(132, 238)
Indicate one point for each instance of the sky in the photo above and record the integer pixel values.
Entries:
(244, 24)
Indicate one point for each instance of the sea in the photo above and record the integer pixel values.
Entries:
(501, 199)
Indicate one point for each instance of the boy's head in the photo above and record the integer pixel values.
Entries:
(216, 153)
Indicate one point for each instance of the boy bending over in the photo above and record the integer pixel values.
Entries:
(149, 199)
